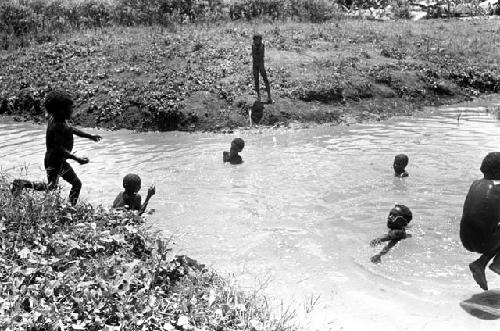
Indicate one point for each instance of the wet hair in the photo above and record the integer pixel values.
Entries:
(405, 212)
(57, 103)
(238, 143)
(401, 159)
(490, 166)
(131, 183)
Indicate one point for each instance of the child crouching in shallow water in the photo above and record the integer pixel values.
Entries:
(397, 221)
(480, 223)
(232, 156)
(130, 199)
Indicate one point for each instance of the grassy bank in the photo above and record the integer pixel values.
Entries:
(198, 76)
(86, 268)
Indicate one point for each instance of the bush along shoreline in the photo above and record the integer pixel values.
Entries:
(198, 78)
(88, 268)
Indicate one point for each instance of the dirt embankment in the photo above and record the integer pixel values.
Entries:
(199, 78)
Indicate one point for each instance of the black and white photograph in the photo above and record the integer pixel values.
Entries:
(253, 165)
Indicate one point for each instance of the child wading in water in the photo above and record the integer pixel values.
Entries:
(232, 156)
(258, 67)
(397, 221)
(59, 142)
(130, 198)
(480, 223)
(399, 165)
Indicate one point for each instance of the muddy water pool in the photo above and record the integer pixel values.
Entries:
(298, 215)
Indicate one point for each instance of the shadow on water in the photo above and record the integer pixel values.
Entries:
(485, 305)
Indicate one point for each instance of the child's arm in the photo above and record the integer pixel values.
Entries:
(376, 258)
(80, 133)
(378, 241)
(151, 192)
(391, 235)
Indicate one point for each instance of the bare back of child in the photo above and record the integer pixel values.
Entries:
(480, 223)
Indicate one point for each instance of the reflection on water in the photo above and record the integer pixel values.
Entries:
(305, 204)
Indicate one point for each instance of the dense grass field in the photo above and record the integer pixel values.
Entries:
(198, 76)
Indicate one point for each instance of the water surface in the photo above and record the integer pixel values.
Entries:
(302, 209)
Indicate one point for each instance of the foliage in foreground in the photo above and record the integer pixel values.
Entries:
(86, 268)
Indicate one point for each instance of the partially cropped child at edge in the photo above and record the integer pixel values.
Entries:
(480, 223)
(397, 221)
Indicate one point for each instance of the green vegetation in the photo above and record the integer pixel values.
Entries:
(192, 77)
(25, 21)
(86, 268)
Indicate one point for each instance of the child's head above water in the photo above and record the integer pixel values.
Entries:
(400, 163)
(237, 144)
(399, 217)
(132, 183)
(59, 104)
(490, 166)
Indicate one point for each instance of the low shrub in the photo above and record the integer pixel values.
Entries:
(89, 268)
(41, 18)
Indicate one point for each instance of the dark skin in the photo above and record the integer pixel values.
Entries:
(479, 226)
(232, 157)
(133, 198)
(259, 69)
(60, 138)
(399, 169)
(59, 143)
(396, 224)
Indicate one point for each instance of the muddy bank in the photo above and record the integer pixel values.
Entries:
(199, 79)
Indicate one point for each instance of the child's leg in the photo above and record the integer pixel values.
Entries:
(495, 265)
(69, 175)
(19, 184)
(477, 268)
(256, 81)
(52, 176)
(266, 82)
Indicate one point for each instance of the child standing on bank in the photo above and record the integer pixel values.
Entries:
(59, 143)
(258, 67)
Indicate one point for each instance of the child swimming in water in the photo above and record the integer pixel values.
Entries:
(480, 223)
(130, 199)
(232, 156)
(399, 165)
(397, 221)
